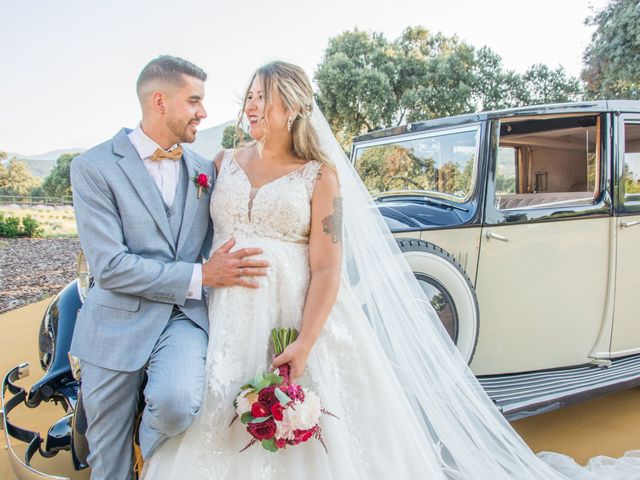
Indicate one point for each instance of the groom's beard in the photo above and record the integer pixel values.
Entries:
(185, 132)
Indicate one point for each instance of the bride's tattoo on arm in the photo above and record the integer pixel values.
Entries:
(332, 223)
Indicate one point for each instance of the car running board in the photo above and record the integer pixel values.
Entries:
(522, 395)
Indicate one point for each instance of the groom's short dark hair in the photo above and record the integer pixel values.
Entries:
(168, 69)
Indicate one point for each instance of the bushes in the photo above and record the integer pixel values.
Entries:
(31, 227)
(11, 227)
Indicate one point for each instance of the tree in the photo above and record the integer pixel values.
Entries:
(494, 87)
(16, 178)
(544, 85)
(356, 83)
(58, 182)
(366, 82)
(4, 180)
(230, 137)
(435, 75)
(3, 169)
(612, 59)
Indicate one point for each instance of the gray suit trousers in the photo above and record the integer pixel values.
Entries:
(173, 396)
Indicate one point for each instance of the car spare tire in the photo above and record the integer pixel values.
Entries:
(449, 289)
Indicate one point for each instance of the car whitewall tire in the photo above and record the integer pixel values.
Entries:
(437, 269)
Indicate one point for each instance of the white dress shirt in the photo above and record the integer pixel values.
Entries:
(165, 174)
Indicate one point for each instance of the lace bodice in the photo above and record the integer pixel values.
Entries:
(280, 209)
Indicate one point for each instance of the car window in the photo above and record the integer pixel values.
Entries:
(547, 162)
(630, 181)
(439, 162)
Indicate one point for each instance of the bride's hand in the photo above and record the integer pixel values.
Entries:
(295, 355)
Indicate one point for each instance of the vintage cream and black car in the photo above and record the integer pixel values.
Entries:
(522, 226)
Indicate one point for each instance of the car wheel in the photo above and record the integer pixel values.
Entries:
(449, 289)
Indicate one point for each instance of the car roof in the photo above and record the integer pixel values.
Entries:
(598, 106)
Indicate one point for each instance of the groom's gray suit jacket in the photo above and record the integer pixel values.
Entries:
(140, 269)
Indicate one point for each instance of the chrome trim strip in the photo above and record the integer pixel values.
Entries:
(624, 353)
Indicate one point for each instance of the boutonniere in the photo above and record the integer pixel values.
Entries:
(202, 182)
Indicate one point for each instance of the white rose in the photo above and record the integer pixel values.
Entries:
(291, 416)
(243, 404)
(309, 411)
(283, 430)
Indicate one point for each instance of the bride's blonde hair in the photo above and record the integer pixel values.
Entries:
(294, 88)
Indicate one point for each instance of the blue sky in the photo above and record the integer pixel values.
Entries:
(69, 66)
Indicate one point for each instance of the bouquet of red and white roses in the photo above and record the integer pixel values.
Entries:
(277, 412)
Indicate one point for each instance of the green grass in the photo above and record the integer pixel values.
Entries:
(54, 222)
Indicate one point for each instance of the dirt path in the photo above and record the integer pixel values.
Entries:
(33, 269)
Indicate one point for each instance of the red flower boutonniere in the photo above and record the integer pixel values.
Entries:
(202, 182)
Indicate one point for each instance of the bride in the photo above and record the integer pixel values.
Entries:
(370, 344)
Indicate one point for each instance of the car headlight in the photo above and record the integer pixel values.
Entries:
(84, 276)
(48, 333)
(74, 362)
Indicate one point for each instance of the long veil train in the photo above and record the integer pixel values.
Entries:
(472, 437)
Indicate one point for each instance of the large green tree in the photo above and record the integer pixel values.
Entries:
(545, 85)
(434, 75)
(356, 83)
(58, 182)
(366, 82)
(612, 59)
(16, 178)
(230, 137)
(495, 87)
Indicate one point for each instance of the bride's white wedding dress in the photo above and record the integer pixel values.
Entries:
(448, 430)
(376, 435)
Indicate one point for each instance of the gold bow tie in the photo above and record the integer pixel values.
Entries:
(160, 154)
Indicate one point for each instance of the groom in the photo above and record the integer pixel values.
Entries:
(144, 226)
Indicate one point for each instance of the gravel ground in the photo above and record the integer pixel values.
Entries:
(33, 269)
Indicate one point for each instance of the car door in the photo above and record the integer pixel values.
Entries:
(626, 324)
(544, 256)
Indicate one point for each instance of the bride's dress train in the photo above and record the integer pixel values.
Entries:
(378, 434)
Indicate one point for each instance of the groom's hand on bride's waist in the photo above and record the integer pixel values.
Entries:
(226, 269)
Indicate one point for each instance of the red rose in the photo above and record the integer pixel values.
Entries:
(281, 442)
(267, 397)
(276, 411)
(259, 410)
(262, 431)
(202, 180)
(302, 435)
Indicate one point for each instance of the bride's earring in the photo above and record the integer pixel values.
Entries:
(289, 123)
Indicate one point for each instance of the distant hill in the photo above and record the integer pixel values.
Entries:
(209, 141)
(40, 168)
(40, 165)
(55, 154)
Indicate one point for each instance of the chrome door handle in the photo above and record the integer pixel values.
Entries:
(629, 224)
(495, 236)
